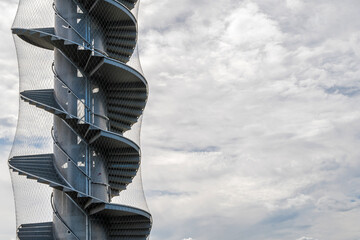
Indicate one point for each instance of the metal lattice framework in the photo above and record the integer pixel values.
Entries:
(97, 98)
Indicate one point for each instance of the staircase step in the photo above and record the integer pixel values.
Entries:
(119, 180)
(127, 87)
(42, 224)
(124, 159)
(35, 231)
(130, 35)
(124, 166)
(43, 181)
(115, 172)
(41, 169)
(32, 156)
(120, 50)
(119, 57)
(122, 152)
(127, 103)
(44, 173)
(114, 192)
(130, 219)
(120, 42)
(130, 95)
(121, 27)
(125, 111)
(120, 126)
(127, 120)
(31, 163)
(120, 187)
(43, 97)
(135, 225)
(130, 232)
(36, 175)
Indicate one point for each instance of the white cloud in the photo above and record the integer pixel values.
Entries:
(9, 109)
(294, 4)
(337, 204)
(306, 238)
(267, 95)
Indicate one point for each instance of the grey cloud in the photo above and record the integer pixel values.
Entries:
(254, 83)
(250, 129)
(327, 203)
(8, 121)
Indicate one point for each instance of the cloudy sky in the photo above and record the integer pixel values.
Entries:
(252, 127)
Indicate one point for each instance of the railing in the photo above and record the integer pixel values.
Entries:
(69, 26)
(57, 13)
(56, 213)
(70, 159)
(85, 214)
(88, 108)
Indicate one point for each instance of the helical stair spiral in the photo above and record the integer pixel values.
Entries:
(96, 98)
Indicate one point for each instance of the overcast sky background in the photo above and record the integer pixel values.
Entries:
(252, 127)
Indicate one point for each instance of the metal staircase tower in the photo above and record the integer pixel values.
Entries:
(97, 97)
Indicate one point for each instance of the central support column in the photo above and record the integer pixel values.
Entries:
(85, 100)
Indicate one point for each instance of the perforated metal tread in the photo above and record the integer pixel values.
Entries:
(124, 222)
(37, 167)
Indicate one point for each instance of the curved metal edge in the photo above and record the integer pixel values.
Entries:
(124, 8)
(129, 209)
(121, 65)
(117, 137)
(107, 59)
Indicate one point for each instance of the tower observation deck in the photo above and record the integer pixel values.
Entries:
(76, 157)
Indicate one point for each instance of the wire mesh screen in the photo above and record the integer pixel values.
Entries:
(75, 162)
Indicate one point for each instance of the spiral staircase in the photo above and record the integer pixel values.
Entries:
(96, 98)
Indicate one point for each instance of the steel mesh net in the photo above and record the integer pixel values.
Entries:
(76, 157)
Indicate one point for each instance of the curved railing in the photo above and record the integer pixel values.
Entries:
(58, 216)
(76, 96)
(96, 98)
(70, 159)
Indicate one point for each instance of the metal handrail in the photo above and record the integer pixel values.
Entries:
(57, 13)
(69, 25)
(60, 80)
(66, 154)
(77, 97)
(60, 218)
(72, 160)
(72, 63)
